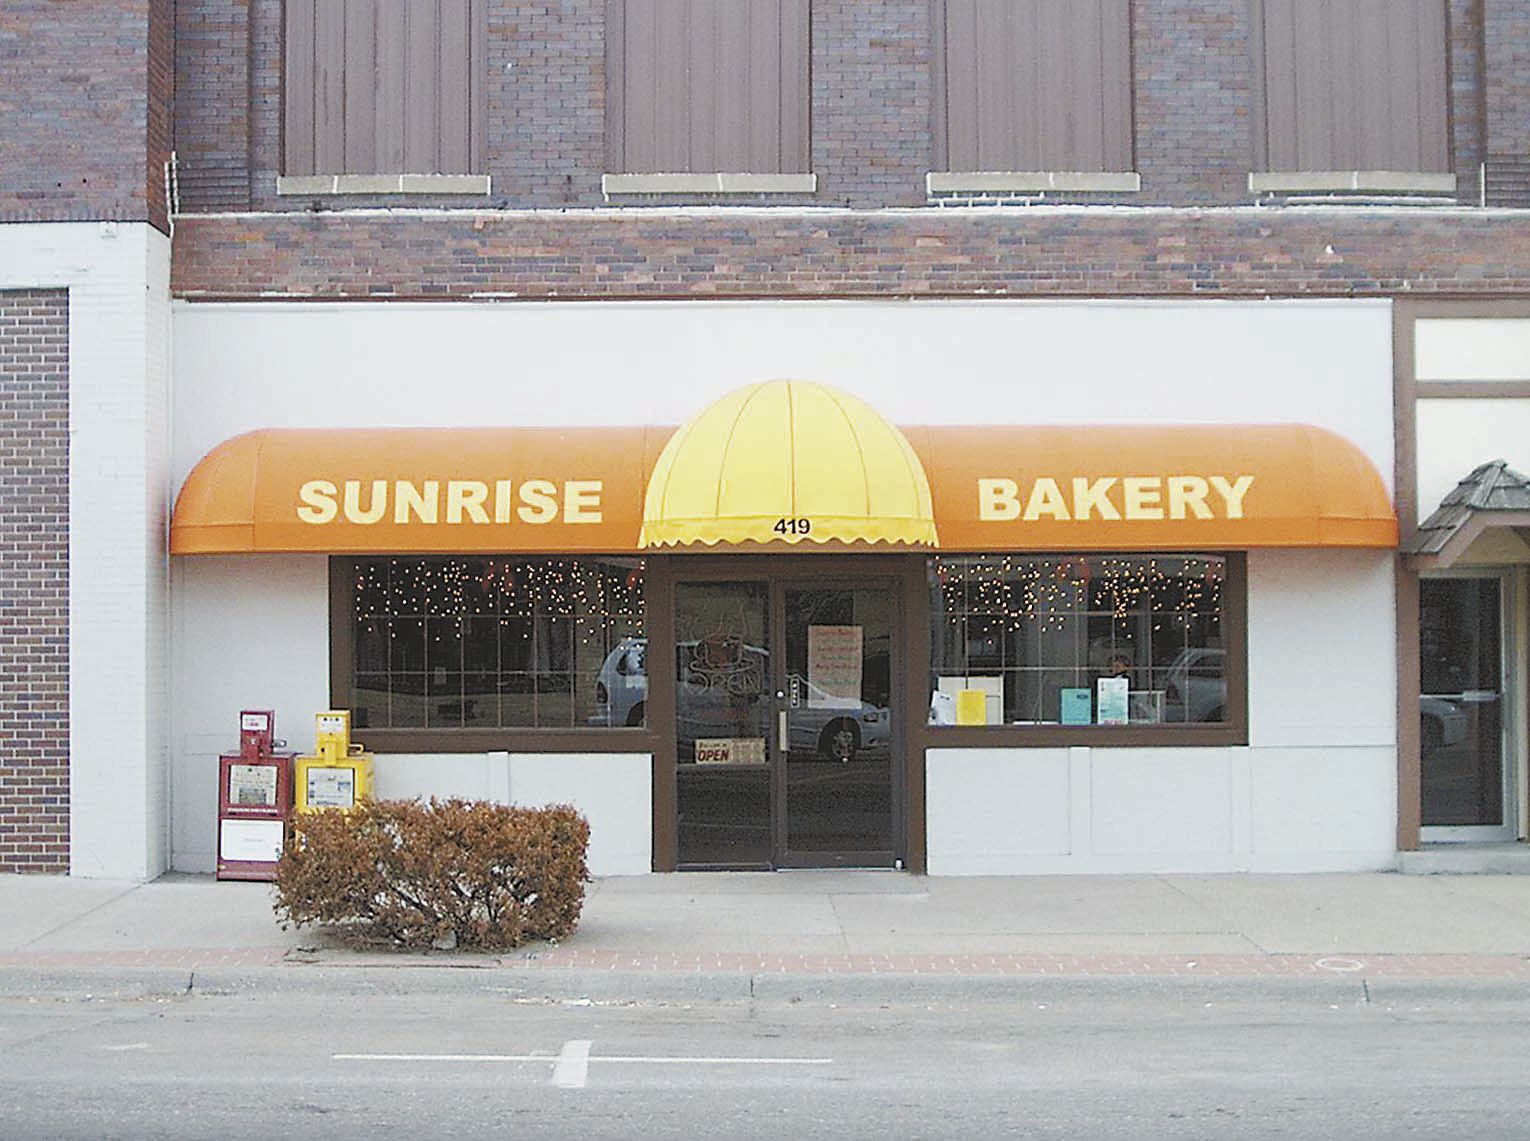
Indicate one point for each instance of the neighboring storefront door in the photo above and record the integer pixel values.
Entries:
(1464, 712)
(785, 726)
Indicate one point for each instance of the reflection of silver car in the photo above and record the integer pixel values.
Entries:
(621, 687)
(720, 687)
(1195, 686)
(836, 733)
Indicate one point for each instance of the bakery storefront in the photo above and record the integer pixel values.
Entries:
(788, 633)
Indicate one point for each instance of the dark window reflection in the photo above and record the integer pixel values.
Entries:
(1041, 631)
(488, 642)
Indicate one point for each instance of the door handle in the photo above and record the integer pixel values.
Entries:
(781, 730)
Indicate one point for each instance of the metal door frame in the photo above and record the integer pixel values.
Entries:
(1511, 735)
(901, 573)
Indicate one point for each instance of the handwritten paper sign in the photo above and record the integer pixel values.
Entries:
(834, 667)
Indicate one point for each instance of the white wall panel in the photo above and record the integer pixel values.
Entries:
(1161, 803)
(1006, 811)
(1456, 436)
(989, 809)
(1324, 807)
(1322, 648)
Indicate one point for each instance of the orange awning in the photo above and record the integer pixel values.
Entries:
(577, 490)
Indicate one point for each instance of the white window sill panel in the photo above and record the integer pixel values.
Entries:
(1031, 181)
(310, 184)
(612, 185)
(1350, 182)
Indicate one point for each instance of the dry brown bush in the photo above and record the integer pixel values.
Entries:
(442, 873)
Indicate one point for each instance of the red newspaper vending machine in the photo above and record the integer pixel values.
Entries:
(254, 798)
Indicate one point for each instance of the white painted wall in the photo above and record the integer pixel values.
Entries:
(1314, 790)
(1316, 787)
(1456, 436)
(117, 275)
(249, 633)
(922, 362)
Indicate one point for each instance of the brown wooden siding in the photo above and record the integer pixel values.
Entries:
(385, 86)
(1352, 85)
(708, 86)
(1033, 85)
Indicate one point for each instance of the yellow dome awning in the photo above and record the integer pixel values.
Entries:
(787, 462)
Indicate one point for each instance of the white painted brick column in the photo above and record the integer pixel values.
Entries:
(117, 275)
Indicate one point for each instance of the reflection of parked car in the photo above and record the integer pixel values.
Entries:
(719, 690)
(836, 734)
(621, 687)
(1195, 685)
(1441, 723)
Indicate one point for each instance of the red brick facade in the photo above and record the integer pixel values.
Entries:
(938, 253)
(34, 581)
(75, 98)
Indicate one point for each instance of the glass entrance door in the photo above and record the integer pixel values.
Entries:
(837, 756)
(784, 725)
(1462, 710)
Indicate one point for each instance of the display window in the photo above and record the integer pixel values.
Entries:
(1138, 643)
(492, 643)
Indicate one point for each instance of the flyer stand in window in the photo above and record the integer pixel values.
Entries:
(338, 774)
(254, 798)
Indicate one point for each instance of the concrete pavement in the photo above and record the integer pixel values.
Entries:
(726, 932)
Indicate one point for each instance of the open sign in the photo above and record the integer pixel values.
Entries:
(730, 750)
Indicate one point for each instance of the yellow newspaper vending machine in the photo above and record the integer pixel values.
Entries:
(339, 773)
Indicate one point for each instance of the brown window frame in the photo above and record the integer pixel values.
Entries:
(940, 102)
(1232, 732)
(342, 664)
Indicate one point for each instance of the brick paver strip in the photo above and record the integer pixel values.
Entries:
(1381, 966)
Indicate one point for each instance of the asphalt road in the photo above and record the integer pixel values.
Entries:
(1118, 1062)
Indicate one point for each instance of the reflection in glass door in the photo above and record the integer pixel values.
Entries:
(784, 726)
(723, 714)
(837, 764)
(1462, 708)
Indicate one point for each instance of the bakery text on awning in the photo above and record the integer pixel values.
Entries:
(784, 465)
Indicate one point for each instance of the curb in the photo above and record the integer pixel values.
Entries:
(581, 987)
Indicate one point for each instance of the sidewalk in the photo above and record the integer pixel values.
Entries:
(732, 930)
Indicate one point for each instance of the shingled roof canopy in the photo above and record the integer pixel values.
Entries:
(1494, 495)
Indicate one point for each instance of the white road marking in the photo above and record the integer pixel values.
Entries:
(717, 1061)
(441, 1057)
(573, 1068)
(129, 1046)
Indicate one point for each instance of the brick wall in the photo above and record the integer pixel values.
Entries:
(547, 101)
(1506, 51)
(74, 118)
(160, 137)
(871, 101)
(1193, 78)
(212, 104)
(1011, 253)
(34, 581)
